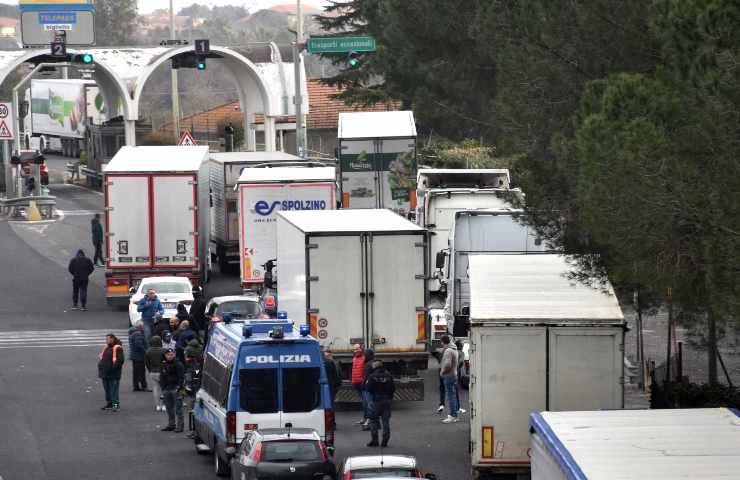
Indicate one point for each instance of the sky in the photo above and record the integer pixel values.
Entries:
(146, 6)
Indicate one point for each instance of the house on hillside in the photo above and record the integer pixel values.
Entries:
(321, 122)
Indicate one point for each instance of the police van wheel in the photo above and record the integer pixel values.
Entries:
(222, 469)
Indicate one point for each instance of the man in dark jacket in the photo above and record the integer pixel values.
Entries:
(80, 267)
(137, 353)
(183, 338)
(110, 364)
(381, 387)
(97, 239)
(198, 320)
(366, 398)
(153, 361)
(332, 375)
(172, 380)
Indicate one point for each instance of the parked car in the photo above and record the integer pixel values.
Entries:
(295, 453)
(27, 159)
(240, 307)
(384, 467)
(169, 290)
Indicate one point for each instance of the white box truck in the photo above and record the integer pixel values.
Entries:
(263, 192)
(538, 341)
(440, 193)
(377, 158)
(156, 216)
(636, 444)
(357, 276)
(58, 113)
(476, 232)
(225, 169)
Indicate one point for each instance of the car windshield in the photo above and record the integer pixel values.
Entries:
(241, 308)
(291, 451)
(384, 473)
(167, 287)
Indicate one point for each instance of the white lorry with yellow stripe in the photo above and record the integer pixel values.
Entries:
(358, 277)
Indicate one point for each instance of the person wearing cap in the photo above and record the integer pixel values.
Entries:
(168, 341)
(172, 380)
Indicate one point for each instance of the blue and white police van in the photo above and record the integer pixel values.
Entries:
(259, 374)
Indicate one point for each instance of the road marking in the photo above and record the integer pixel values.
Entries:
(58, 338)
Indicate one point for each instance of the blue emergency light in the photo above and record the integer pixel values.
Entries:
(247, 331)
(282, 315)
(305, 330)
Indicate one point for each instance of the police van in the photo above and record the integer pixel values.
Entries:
(259, 374)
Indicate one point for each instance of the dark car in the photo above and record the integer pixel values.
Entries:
(294, 453)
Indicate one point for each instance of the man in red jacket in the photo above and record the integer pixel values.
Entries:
(358, 372)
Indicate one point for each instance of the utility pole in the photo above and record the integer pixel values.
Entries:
(300, 131)
(175, 88)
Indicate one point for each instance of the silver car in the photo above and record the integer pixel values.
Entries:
(240, 307)
(382, 467)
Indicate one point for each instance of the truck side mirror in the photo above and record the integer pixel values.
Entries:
(439, 262)
(132, 290)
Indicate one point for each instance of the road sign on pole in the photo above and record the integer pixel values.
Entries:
(186, 139)
(341, 44)
(202, 47)
(41, 21)
(6, 122)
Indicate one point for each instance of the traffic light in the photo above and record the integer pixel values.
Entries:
(83, 58)
(353, 60)
(200, 62)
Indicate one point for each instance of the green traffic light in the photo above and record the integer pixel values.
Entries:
(200, 65)
(87, 59)
(352, 60)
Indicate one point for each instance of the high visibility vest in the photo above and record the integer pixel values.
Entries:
(115, 352)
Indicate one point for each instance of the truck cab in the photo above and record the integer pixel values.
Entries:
(260, 374)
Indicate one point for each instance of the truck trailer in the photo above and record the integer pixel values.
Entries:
(538, 341)
(156, 216)
(636, 444)
(377, 158)
(263, 193)
(225, 169)
(358, 277)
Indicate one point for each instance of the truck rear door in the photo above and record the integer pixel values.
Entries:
(175, 226)
(127, 221)
(397, 322)
(586, 356)
(508, 367)
(333, 261)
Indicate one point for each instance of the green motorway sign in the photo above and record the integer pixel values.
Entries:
(341, 44)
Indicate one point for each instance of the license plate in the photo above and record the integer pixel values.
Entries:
(169, 306)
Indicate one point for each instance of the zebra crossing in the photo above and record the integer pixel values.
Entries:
(58, 338)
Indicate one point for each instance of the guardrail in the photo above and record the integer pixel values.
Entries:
(13, 206)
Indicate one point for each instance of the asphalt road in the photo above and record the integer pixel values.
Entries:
(51, 425)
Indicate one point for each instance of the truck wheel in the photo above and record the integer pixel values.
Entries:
(221, 468)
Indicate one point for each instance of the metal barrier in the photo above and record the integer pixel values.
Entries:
(13, 206)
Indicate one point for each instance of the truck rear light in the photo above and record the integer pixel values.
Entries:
(439, 328)
(329, 426)
(314, 324)
(345, 199)
(421, 318)
(347, 476)
(417, 473)
(256, 454)
(116, 285)
(324, 452)
(231, 429)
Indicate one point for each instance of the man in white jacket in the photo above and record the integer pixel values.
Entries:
(448, 373)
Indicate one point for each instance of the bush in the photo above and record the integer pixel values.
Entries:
(693, 395)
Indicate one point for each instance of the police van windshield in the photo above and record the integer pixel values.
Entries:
(259, 387)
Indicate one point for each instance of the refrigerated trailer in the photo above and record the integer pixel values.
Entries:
(358, 277)
(263, 193)
(225, 169)
(538, 341)
(636, 444)
(377, 158)
(156, 216)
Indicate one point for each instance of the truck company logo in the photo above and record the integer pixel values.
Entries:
(263, 208)
(278, 359)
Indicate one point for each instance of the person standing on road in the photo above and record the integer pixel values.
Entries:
(167, 341)
(137, 354)
(97, 239)
(332, 375)
(80, 267)
(358, 368)
(442, 395)
(183, 339)
(153, 361)
(381, 387)
(198, 313)
(367, 398)
(448, 373)
(110, 364)
(150, 307)
(172, 380)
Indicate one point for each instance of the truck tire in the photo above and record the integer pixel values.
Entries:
(221, 468)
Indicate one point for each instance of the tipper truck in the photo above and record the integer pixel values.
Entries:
(538, 341)
(225, 169)
(636, 444)
(262, 193)
(156, 217)
(358, 277)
